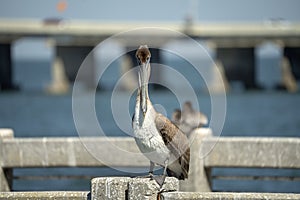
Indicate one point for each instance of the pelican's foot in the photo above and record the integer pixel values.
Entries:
(159, 180)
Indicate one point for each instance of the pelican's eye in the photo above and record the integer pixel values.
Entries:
(148, 58)
(138, 60)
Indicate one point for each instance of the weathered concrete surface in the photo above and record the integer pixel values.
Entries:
(252, 152)
(45, 195)
(115, 188)
(123, 152)
(197, 180)
(227, 152)
(144, 188)
(226, 196)
(121, 188)
(71, 151)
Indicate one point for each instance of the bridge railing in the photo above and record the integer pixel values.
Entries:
(207, 152)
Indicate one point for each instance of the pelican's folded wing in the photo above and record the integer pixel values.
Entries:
(176, 141)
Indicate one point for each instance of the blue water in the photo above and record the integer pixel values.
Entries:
(32, 113)
(248, 114)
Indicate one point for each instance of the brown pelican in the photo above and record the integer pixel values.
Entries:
(161, 141)
(189, 119)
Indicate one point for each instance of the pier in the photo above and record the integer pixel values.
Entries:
(207, 152)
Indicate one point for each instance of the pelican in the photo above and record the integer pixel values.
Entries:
(161, 141)
(188, 119)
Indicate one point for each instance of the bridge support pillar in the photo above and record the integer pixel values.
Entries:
(6, 77)
(239, 64)
(72, 57)
(291, 68)
(293, 54)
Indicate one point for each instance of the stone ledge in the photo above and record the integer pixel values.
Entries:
(226, 196)
(144, 188)
(61, 195)
(260, 152)
(120, 188)
(109, 188)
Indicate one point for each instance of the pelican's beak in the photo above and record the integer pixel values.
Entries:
(144, 69)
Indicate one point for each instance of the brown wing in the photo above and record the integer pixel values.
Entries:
(176, 141)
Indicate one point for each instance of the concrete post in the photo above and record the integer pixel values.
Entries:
(121, 188)
(197, 180)
(5, 174)
(144, 188)
(105, 188)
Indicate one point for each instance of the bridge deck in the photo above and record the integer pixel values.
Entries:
(91, 32)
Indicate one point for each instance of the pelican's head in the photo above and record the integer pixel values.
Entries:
(193, 117)
(143, 56)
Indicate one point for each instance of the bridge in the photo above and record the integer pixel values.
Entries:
(234, 43)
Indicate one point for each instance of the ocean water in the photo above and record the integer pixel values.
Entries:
(33, 113)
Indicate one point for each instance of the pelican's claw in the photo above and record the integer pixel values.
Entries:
(160, 180)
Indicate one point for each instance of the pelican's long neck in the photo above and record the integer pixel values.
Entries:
(144, 76)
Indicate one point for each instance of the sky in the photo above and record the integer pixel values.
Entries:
(167, 10)
(155, 10)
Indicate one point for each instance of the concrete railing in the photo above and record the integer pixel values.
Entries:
(125, 188)
(207, 152)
